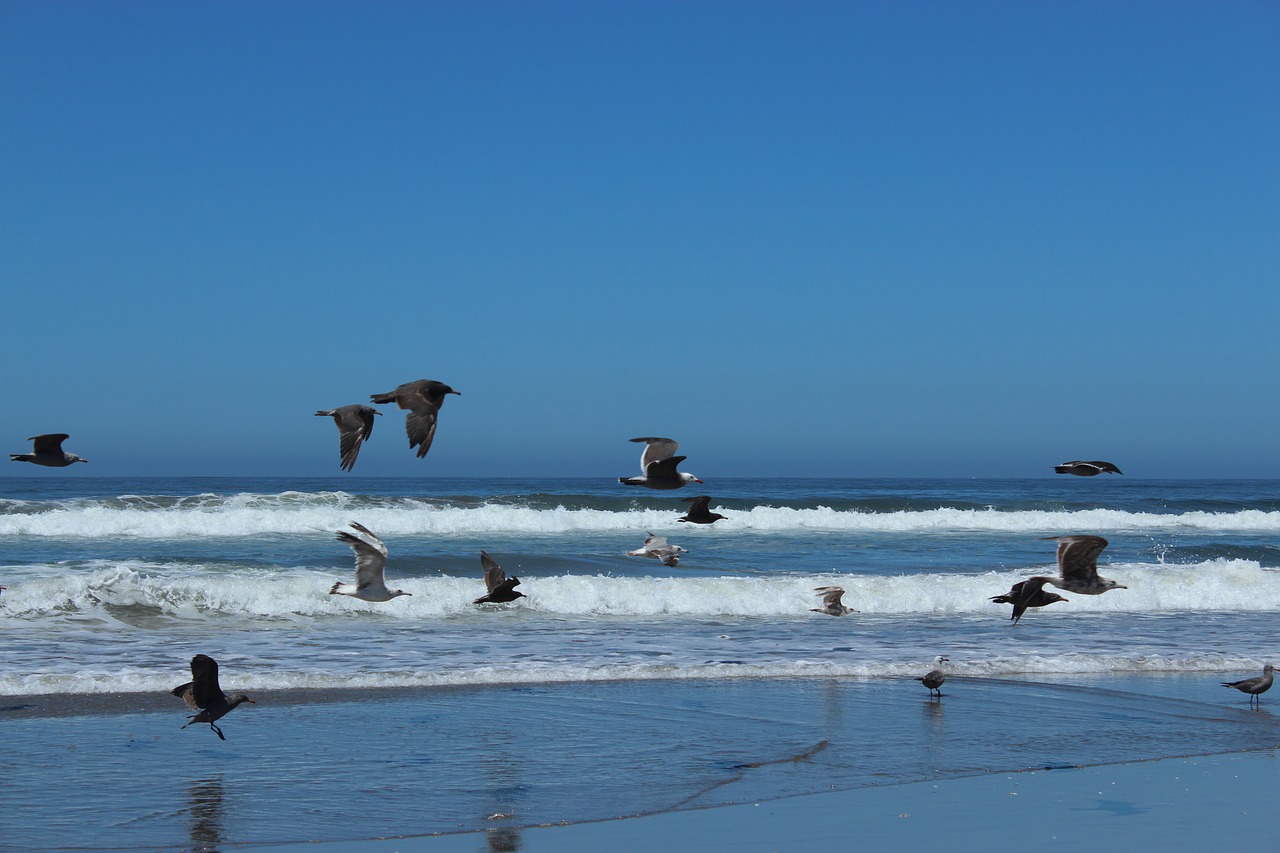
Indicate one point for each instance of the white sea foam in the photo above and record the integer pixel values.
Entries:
(250, 679)
(258, 515)
(183, 592)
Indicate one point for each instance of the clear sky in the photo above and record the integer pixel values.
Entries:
(826, 238)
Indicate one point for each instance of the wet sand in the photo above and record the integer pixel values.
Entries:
(741, 764)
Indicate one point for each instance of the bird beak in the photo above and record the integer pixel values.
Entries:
(696, 480)
(1121, 586)
(250, 701)
(459, 393)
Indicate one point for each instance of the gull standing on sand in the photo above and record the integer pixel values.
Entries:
(657, 547)
(48, 452)
(831, 603)
(355, 425)
(934, 678)
(1255, 686)
(371, 556)
(1028, 593)
(1086, 469)
(203, 694)
(700, 511)
(501, 588)
(423, 399)
(1078, 565)
(658, 466)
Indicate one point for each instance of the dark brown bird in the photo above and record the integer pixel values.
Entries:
(699, 511)
(203, 694)
(501, 588)
(1027, 593)
(1086, 469)
(1078, 565)
(355, 425)
(48, 452)
(423, 399)
(1255, 686)
(935, 677)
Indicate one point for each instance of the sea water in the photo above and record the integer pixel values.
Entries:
(618, 685)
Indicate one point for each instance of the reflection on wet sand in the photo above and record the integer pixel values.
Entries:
(205, 809)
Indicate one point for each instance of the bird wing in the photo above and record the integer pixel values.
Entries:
(831, 595)
(663, 469)
(1078, 556)
(205, 691)
(653, 543)
(420, 425)
(656, 449)
(184, 692)
(371, 555)
(699, 504)
(493, 573)
(1107, 466)
(51, 443)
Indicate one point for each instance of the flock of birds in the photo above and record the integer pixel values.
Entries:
(1077, 555)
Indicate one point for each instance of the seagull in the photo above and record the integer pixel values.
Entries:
(1086, 469)
(658, 466)
(355, 425)
(203, 694)
(48, 452)
(422, 398)
(501, 588)
(699, 512)
(831, 604)
(1078, 565)
(1027, 593)
(933, 680)
(371, 556)
(657, 547)
(1255, 686)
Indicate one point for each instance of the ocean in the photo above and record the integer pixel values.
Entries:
(618, 685)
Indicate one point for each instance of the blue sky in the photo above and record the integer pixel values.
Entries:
(847, 239)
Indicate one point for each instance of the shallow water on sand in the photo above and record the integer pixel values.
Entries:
(447, 760)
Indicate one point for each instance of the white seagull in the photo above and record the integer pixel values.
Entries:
(371, 556)
(657, 548)
(658, 466)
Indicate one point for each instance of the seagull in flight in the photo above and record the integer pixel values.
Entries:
(371, 557)
(831, 603)
(500, 587)
(423, 399)
(658, 466)
(355, 425)
(1078, 565)
(1087, 469)
(202, 694)
(47, 451)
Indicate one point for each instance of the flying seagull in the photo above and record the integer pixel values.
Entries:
(657, 547)
(501, 588)
(699, 511)
(48, 452)
(203, 694)
(422, 398)
(1078, 565)
(1086, 469)
(933, 680)
(371, 556)
(831, 603)
(1255, 686)
(1027, 593)
(658, 466)
(355, 425)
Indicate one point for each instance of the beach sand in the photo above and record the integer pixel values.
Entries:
(733, 764)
